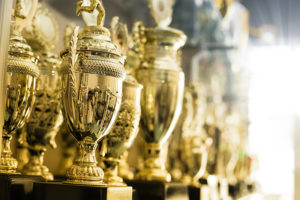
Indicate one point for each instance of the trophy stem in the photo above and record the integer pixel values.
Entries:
(85, 169)
(8, 164)
(124, 169)
(111, 176)
(36, 166)
(154, 168)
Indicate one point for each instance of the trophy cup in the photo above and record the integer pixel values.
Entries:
(92, 76)
(21, 76)
(161, 99)
(45, 118)
(126, 125)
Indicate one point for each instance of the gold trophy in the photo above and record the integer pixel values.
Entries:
(163, 81)
(195, 142)
(93, 72)
(126, 125)
(21, 75)
(46, 116)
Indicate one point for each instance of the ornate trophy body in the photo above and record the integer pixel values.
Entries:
(45, 118)
(163, 82)
(21, 75)
(93, 71)
(126, 125)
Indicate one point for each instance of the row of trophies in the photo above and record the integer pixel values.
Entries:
(105, 86)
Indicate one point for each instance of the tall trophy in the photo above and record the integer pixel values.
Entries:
(21, 75)
(161, 98)
(195, 142)
(126, 125)
(92, 75)
(46, 116)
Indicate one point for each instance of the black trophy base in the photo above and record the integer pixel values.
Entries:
(156, 190)
(17, 186)
(64, 191)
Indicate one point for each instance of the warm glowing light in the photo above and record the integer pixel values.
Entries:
(274, 101)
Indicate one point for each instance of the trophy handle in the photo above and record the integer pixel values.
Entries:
(73, 58)
(119, 35)
(20, 19)
(139, 39)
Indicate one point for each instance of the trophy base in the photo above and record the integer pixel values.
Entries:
(149, 174)
(63, 191)
(158, 190)
(198, 193)
(17, 187)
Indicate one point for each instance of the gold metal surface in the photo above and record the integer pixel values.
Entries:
(93, 71)
(46, 116)
(126, 125)
(68, 142)
(5, 20)
(163, 82)
(21, 83)
(195, 141)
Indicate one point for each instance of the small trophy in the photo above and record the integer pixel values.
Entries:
(21, 75)
(92, 78)
(126, 125)
(161, 99)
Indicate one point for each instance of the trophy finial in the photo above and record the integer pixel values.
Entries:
(94, 7)
(161, 11)
(24, 13)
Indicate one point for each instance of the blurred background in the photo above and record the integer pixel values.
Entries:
(255, 48)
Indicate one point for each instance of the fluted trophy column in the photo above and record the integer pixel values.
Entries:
(163, 81)
(93, 72)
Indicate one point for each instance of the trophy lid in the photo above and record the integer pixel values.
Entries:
(20, 56)
(97, 40)
(97, 53)
(161, 11)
